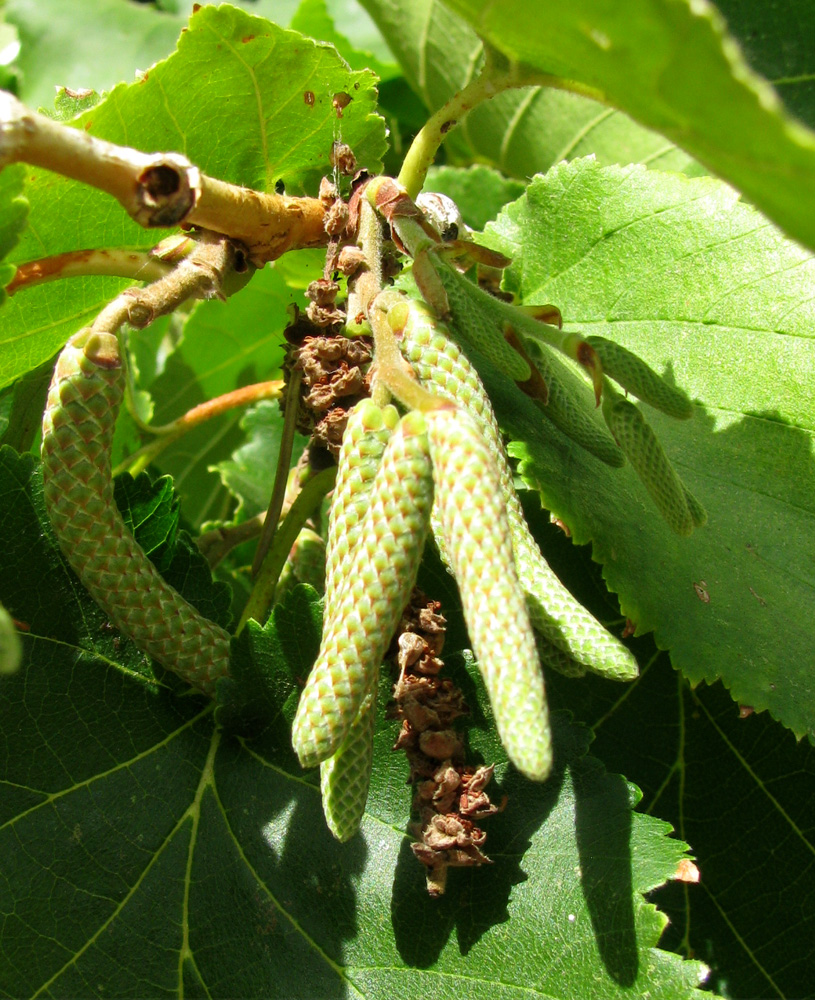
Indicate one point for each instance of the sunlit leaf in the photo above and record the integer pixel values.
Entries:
(711, 295)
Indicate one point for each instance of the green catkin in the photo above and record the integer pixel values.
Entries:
(472, 319)
(697, 511)
(478, 543)
(83, 401)
(11, 649)
(377, 580)
(635, 376)
(346, 775)
(556, 659)
(366, 434)
(642, 448)
(448, 291)
(566, 625)
(305, 564)
(570, 407)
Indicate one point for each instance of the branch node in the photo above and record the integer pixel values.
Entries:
(167, 190)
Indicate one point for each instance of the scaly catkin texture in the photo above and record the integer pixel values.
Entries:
(474, 321)
(346, 775)
(478, 544)
(562, 621)
(635, 376)
(643, 449)
(568, 406)
(378, 578)
(363, 444)
(83, 401)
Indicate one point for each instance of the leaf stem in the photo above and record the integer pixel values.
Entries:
(308, 499)
(120, 262)
(282, 471)
(496, 75)
(171, 432)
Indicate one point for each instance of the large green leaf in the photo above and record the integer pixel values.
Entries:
(778, 41)
(734, 784)
(522, 132)
(263, 133)
(706, 291)
(119, 794)
(69, 43)
(671, 65)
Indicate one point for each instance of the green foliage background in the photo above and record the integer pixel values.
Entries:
(147, 851)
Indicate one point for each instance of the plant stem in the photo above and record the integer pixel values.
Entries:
(308, 499)
(282, 471)
(161, 189)
(426, 144)
(120, 262)
(168, 433)
(391, 370)
(496, 76)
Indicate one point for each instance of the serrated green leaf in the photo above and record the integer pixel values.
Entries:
(706, 291)
(312, 18)
(697, 758)
(265, 132)
(521, 132)
(161, 803)
(673, 68)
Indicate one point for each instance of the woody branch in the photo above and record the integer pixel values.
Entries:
(162, 189)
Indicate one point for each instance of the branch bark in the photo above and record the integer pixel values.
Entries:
(162, 189)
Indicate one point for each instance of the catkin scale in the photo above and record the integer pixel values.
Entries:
(83, 401)
(478, 544)
(374, 588)
(562, 621)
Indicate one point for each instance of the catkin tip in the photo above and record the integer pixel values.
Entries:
(102, 349)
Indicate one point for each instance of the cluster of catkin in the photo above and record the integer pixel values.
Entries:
(397, 475)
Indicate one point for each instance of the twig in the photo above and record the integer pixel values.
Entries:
(282, 470)
(119, 262)
(162, 189)
(168, 433)
(308, 499)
